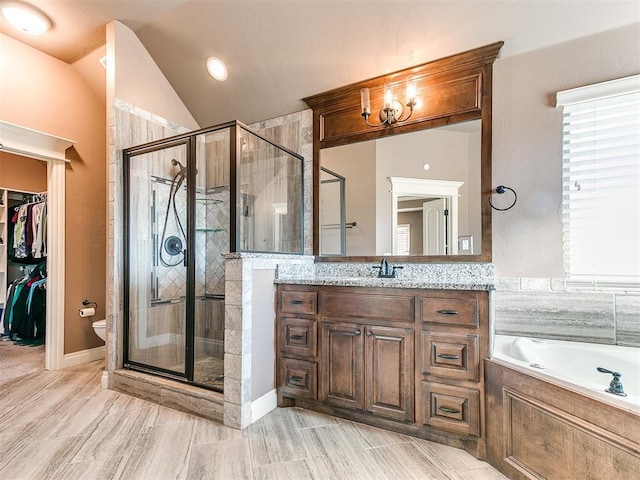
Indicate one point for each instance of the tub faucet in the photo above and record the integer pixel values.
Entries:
(615, 386)
(386, 270)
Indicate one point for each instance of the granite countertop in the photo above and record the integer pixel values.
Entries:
(434, 276)
(384, 283)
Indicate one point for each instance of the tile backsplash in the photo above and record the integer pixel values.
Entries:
(542, 307)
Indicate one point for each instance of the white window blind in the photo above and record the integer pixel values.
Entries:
(403, 239)
(601, 183)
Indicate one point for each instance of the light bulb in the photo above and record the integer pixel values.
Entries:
(388, 96)
(217, 69)
(26, 19)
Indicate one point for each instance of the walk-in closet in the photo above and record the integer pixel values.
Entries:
(23, 275)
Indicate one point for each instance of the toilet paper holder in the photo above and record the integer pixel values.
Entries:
(88, 312)
(87, 302)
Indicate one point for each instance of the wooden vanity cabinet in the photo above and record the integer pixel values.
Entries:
(407, 360)
(368, 367)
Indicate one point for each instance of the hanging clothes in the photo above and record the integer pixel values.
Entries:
(24, 316)
(28, 235)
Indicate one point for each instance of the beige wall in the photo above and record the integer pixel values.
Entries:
(43, 93)
(527, 137)
(22, 173)
(357, 163)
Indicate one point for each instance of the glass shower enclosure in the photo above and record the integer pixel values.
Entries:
(188, 201)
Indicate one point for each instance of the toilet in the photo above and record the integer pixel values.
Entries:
(100, 327)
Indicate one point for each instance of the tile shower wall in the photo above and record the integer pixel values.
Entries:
(541, 307)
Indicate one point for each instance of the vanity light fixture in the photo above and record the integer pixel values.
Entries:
(25, 17)
(217, 69)
(392, 110)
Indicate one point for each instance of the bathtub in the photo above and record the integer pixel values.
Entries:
(572, 365)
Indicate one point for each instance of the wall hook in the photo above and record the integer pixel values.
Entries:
(500, 189)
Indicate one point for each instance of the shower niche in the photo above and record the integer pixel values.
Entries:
(188, 201)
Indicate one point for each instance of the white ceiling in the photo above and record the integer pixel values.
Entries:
(279, 51)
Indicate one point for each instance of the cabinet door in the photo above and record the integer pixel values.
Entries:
(342, 365)
(389, 377)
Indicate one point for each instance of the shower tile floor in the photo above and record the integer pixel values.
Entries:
(61, 425)
(207, 371)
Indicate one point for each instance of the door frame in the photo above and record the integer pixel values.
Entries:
(402, 186)
(30, 143)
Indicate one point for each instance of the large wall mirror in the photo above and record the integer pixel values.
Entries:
(415, 191)
(412, 194)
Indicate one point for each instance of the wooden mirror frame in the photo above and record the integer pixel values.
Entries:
(451, 90)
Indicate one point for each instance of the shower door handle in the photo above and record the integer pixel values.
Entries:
(184, 257)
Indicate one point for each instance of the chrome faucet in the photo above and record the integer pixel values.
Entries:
(386, 270)
(615, 386)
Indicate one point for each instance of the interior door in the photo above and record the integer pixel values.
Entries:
(436, 227)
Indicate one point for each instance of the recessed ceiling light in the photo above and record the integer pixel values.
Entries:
(26, 18)
(426, 166)
(217, 69)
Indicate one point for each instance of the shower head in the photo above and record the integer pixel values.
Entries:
(180, 176)
(175, 162)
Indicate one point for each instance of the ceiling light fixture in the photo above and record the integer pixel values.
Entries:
(26, 18)
(217, 69)
(392, 109)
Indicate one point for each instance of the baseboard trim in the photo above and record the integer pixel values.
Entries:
(83, 356)
(263, 405)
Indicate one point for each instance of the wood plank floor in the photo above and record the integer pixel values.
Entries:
(61, 425)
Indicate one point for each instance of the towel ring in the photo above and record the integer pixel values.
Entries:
(500, 189)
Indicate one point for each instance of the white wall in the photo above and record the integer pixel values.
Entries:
(357, 163)
(527, 156)
(448, 154)
(263, 355)
(137, 80)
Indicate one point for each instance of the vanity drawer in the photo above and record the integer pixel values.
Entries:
(298, 336)
(450, 311)
(292, 301)
(396, 308)
(299, 378)
(455, 409)
(450, 355)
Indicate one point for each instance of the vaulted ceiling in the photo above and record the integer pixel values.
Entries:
(279, 51)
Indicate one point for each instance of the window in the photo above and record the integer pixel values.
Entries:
(403, 239)
(601, 184)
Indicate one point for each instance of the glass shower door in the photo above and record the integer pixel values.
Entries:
(211, 235)
(333, 238)
(156, 262)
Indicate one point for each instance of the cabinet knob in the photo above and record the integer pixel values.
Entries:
(368, 334)
(358, 332)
